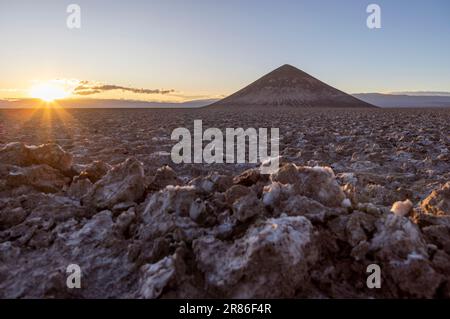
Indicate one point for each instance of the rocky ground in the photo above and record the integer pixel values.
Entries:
(97, 188)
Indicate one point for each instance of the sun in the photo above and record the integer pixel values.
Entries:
(48, 91)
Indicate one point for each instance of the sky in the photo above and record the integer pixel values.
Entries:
(177, 50)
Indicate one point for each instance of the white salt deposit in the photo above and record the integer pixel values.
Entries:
(402, 208)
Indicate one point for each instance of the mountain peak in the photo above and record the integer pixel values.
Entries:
(287, 66)
(290, 86)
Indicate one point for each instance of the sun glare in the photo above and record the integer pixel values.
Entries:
(48, 92)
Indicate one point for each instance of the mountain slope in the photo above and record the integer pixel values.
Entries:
(289, 86)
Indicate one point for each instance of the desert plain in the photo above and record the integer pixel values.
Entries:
(97, 188)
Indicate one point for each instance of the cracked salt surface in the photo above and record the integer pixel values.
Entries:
(142, 227)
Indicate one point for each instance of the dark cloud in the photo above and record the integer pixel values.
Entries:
(88, 88)
(87, 92)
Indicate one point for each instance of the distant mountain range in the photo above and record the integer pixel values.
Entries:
(104, 103)
(377, 99)
(411, 99)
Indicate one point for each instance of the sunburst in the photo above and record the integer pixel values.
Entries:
(48, 92)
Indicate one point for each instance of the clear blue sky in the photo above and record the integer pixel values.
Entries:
(207, 47)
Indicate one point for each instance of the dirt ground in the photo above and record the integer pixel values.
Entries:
(103, 181)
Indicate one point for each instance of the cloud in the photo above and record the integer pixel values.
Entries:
(87, 92)
(89, 88)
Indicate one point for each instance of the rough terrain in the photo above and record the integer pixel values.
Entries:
(97, 188)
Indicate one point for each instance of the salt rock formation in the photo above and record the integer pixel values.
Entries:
(438, 203)
(42, 178)
(202, 212)
(79, 188)
(52, 247)
(276, 253)
(10, 218)
(250, 177)
(402, 208)
(123, 183)
(172, 200)
(283, 199)
(160, 276)
(290, 234)
(52, 155)
(214, 182)
(170, 212)
(155, 277)
(247, 207)
(49, 154)
(235, 192)
(399, 244)
(164, 176)
(95, 171)
(318, 183)
(15, 154)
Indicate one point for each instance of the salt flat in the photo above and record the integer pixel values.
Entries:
(148, 230)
